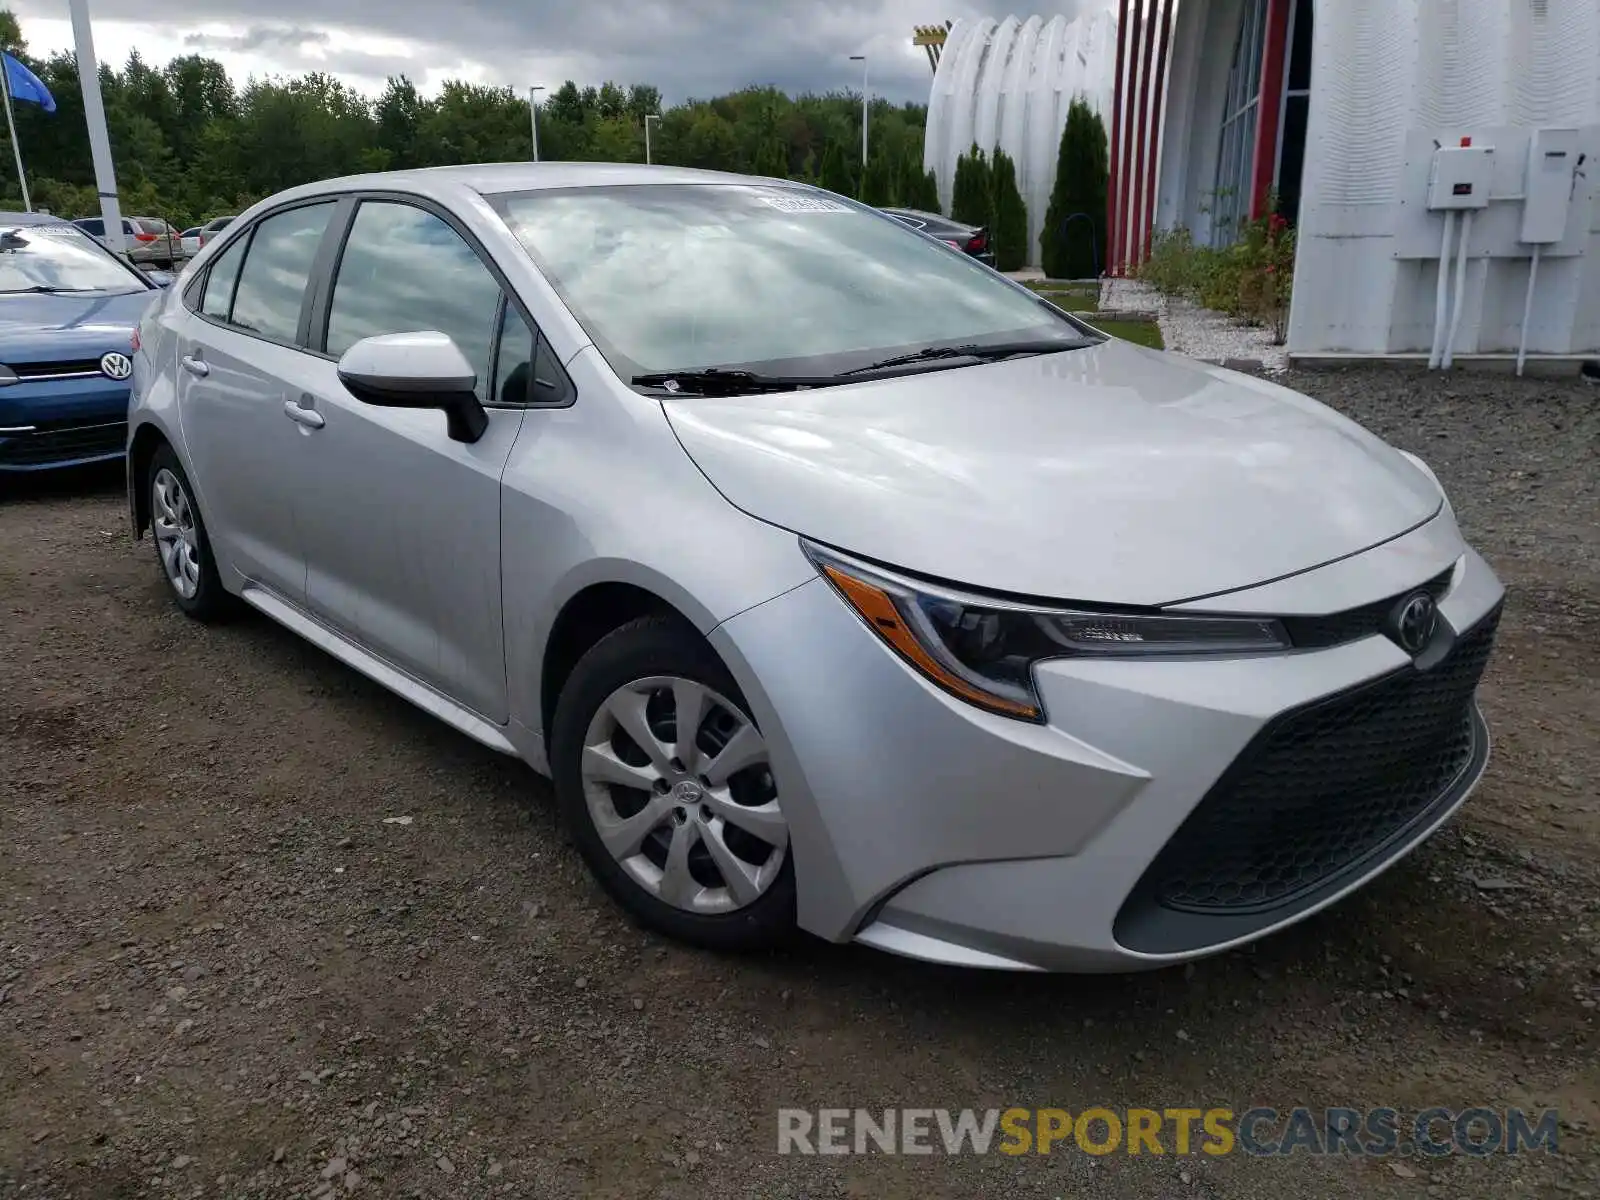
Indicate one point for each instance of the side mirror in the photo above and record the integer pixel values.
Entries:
(160, 278)
(416, 370)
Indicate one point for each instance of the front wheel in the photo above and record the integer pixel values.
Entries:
(667, 786)
(182, 546)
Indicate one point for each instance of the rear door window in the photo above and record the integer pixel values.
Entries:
(276, 270)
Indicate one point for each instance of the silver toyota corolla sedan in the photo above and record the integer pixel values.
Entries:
(836, 580)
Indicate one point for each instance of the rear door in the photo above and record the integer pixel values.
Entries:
(242, 358)
(402, 525)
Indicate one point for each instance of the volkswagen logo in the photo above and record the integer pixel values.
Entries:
(116, 365)
(1414, 622)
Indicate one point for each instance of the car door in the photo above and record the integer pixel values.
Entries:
(401, 525)
(240, 361)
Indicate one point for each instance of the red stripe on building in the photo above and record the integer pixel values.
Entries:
(1145, 151)
(1113, 239)
(1264, 162)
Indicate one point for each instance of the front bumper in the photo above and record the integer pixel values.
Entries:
(926, 827)
(63, 423)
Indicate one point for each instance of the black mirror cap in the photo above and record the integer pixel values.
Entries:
(465, 418)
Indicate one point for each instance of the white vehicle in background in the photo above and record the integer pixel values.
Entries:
(190, 239)
(211, 228)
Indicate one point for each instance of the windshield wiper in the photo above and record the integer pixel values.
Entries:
(982, 352)
(41, 289)
(724, 381)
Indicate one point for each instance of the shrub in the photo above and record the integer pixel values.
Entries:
(1068, 249)
(1009, 233)
(1251, 280)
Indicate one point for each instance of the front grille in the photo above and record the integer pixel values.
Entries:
(1309, 633)
(63, 443)
(49, 370)
(1322, 788)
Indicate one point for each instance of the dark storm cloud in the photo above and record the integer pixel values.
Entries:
(256, 38)
(685, 47)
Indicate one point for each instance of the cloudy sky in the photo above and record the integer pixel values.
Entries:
(685, 47)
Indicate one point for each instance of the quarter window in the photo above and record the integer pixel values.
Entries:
(404, 270)
(277, 267)
(217, 302)
(526, 369)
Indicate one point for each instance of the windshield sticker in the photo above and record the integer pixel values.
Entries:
(804, 204)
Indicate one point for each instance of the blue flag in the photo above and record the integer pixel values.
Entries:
(27, 86)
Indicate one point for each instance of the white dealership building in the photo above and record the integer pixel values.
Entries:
(1440, 158)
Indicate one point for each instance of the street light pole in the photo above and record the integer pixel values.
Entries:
(105, 178)
(862, 59)
(648, 117)
(533, 116)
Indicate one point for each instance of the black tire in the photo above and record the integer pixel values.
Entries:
(211, 601)
(649, 646)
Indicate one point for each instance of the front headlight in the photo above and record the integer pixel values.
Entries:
(983, 650)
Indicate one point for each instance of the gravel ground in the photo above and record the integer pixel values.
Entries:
(268, 931)
(1197, 332)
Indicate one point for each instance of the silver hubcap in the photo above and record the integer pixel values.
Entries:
(679, 786)
(177, 540)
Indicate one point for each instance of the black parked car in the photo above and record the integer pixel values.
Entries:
(970, 238)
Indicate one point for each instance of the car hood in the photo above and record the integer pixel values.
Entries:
(1112, 474)
(42, 327)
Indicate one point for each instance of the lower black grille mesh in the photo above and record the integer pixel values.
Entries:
(63, 444)
(1320, 788)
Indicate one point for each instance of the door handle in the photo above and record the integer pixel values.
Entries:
(195, 366)
(309, 417)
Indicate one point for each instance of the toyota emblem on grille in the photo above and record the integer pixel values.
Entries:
(1414, 622)
(116, 366)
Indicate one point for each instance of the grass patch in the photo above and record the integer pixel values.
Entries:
(1082, 302)
(1145, 333)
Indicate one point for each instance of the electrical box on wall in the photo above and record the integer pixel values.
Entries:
(1552, 161)
(1461, 177)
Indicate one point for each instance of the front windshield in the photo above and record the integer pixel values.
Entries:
(58, 258)
(682, 277)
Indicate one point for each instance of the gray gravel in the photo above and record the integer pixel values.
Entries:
(229, 966)
(1198, 332)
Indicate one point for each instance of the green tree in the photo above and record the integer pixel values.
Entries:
(834, 175)
(877, 182)
(972, 201)
(1073, 248)
(914, 187)
(1010, 228)
(190, 143)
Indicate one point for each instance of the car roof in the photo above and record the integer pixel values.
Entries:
(31, 218)
(490, 179)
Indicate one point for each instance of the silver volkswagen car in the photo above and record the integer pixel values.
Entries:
(837, 581)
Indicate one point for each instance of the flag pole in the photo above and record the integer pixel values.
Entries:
(94, 112)
(11, 128)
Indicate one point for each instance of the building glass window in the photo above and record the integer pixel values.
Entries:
(1230, 200)
(1296, 112)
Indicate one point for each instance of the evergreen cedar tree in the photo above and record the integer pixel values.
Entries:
(1009, 233)
(1069, 249)
(972, 197)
